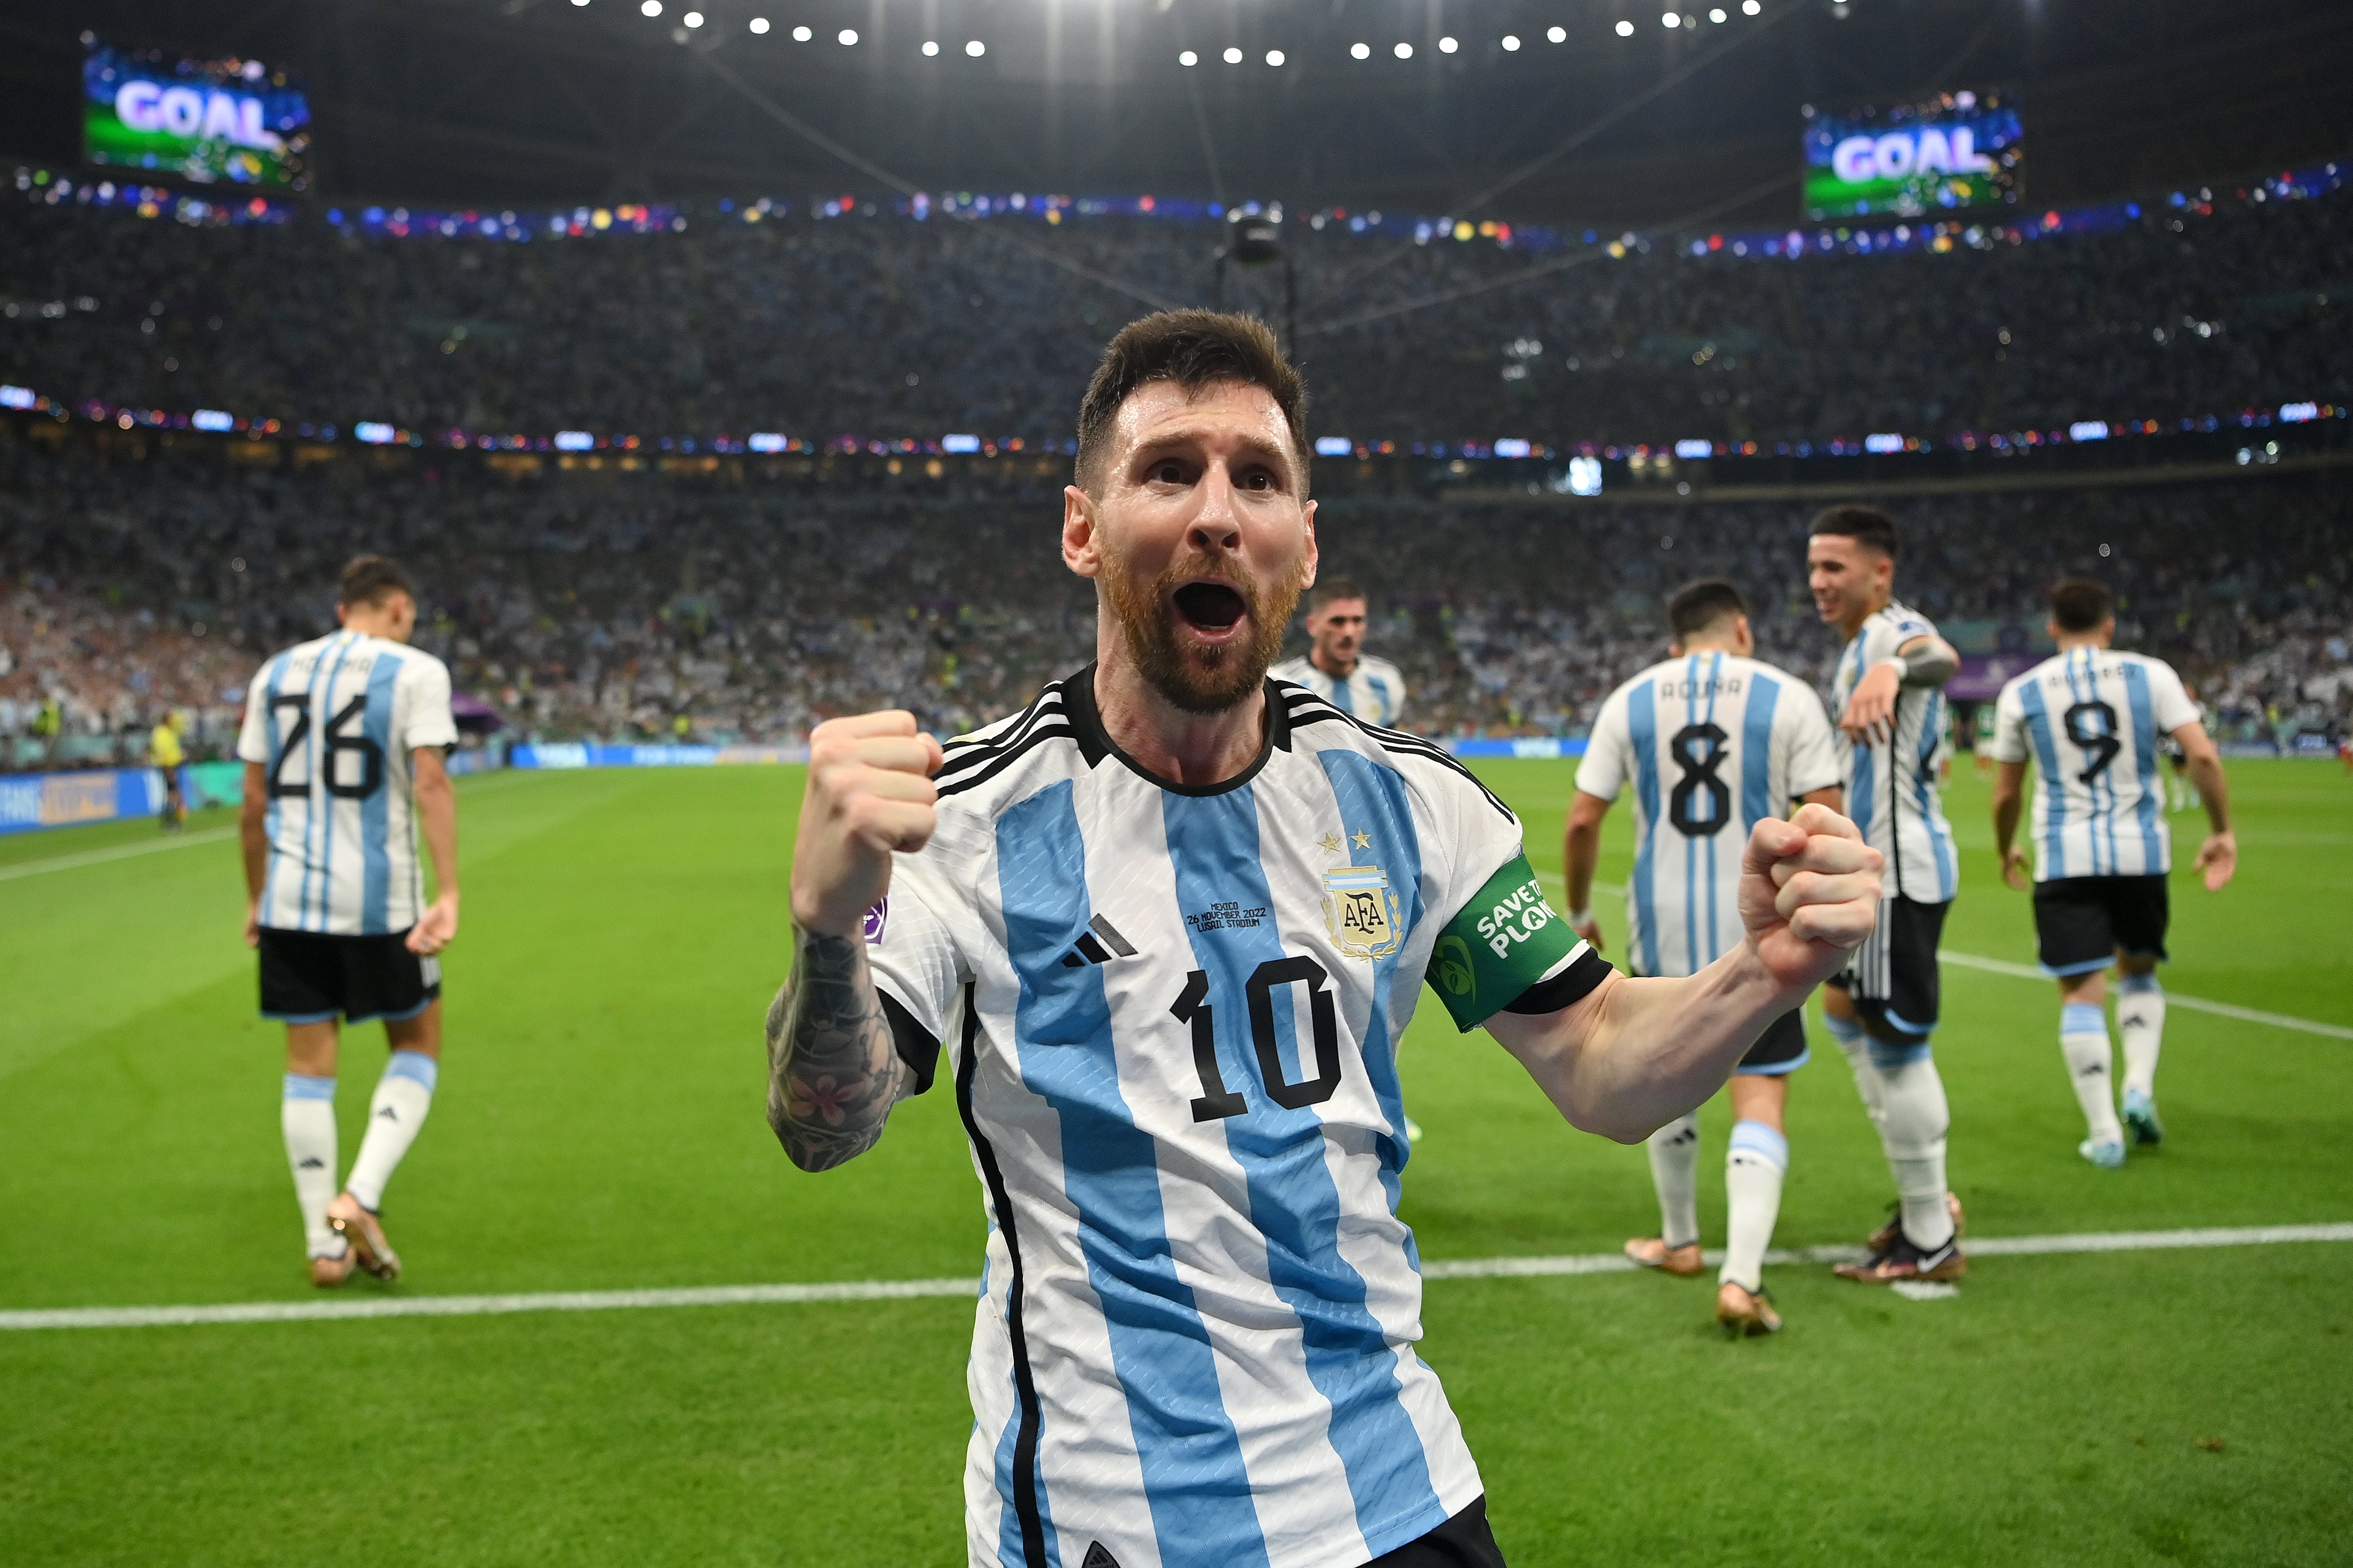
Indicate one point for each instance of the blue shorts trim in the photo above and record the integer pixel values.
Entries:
(327, 1017)
(2089, 966)
(1907, 1026)
(401, 1017)
(1777, 1069)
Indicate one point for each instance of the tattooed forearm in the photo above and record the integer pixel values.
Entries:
(833, 1073)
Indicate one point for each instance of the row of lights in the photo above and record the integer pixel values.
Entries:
(847, 37)
(1511, 41)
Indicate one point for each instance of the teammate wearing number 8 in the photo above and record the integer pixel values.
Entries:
(343, 745)
(2092, 721)
(1712, 742)
(1163, 931)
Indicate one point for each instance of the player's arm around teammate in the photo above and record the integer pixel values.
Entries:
(833, 1071)
(1926, 662)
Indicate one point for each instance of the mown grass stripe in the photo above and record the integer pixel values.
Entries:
(909, 1290)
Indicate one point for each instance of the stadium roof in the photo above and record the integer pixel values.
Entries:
(1463, 107)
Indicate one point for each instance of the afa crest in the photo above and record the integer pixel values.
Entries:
(1361, 911)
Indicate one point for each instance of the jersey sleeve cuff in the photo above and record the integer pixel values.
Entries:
(1566, 985)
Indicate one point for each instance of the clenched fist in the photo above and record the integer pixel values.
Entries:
(1809, 894)
(869, 793)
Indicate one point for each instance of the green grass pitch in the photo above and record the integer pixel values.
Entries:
(600, 1127)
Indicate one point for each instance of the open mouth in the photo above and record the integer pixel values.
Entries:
(1211, 606)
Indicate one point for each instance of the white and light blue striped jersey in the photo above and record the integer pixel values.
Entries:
(2095, 722)
(1712, 744)
(332, 723)
(1891, 789)
(1171, 1015)
(1374, 691)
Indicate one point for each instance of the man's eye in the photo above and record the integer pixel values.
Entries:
(1169, 474)
(1259, 483)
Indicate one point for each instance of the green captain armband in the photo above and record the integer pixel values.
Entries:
(1504, 941)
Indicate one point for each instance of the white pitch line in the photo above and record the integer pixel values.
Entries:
(909, 1290)
(2032, 972)
(2173, 998)
(121, 852)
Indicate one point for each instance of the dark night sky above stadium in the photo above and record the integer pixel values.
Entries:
(527, 100)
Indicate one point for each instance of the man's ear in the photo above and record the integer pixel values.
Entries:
(1314, 554)
(342, 614)
(1082, 532)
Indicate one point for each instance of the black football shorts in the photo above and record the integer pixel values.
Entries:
(1893, 976)
(309, 978)
(2081, 922)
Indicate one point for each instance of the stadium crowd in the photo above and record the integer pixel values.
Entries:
(654, 607)
(882, 326)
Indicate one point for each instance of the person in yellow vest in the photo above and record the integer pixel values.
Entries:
(164, 749)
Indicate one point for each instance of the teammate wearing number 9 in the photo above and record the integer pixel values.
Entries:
(343, 745)
(1162, 931)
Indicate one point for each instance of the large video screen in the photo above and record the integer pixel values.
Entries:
(206, 121)
(1961, 150)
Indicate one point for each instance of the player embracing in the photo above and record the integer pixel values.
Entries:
(1162, 930)
(2095, 722)
(344, 746)
(1336, 667)
(1712, 741)
(1883, 1010)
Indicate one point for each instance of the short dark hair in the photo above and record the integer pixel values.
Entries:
(2080, 604)
(1327, 589)
(1194, 349)
(1699, 605)
(369, 580)
(1867, 526)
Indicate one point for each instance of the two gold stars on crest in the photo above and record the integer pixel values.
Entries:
(1330, 842)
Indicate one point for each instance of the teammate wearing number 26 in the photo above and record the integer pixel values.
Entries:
(344, 746)
(1710, 741)
(2092, 721)
(1162, 931)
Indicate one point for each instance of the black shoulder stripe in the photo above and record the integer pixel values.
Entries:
(1001, 761)
(1402, 744)
(970, 753)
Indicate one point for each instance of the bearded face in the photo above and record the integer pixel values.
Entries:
(1204, 629)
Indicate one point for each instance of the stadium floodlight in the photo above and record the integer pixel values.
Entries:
(759, 24)
(931, 47)
(846, 37)
(1333, 446)
(692, 18)
(1751, 8)
(1716, 15)
(1511, 42)
(1188, 58)
(959, 444)
(1512, 446)
(1404, 52)
(566, 441)
(1670, 20)
(976, 49)
(1274, 56)
(1233, 57)
(650, 8)
(580, 2)
(1625, 29)
(802, 34)
(1556, 34)
(1360, 51)
(218, 420)
(1447, 46)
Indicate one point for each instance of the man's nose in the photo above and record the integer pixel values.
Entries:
(1215, 527)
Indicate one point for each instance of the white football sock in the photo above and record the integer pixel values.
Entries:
(1674, 1167)
(2083, 1041)
(402, 1097)
(1867, 1082)
(307, 1116)
(2141, 1019)
(1913, 1133)
(1753, 1168)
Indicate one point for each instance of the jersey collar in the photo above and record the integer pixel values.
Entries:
(1095, 742)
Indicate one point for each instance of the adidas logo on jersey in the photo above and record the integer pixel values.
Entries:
(312, 1164)
(1097, 1557)
(1091, 951)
